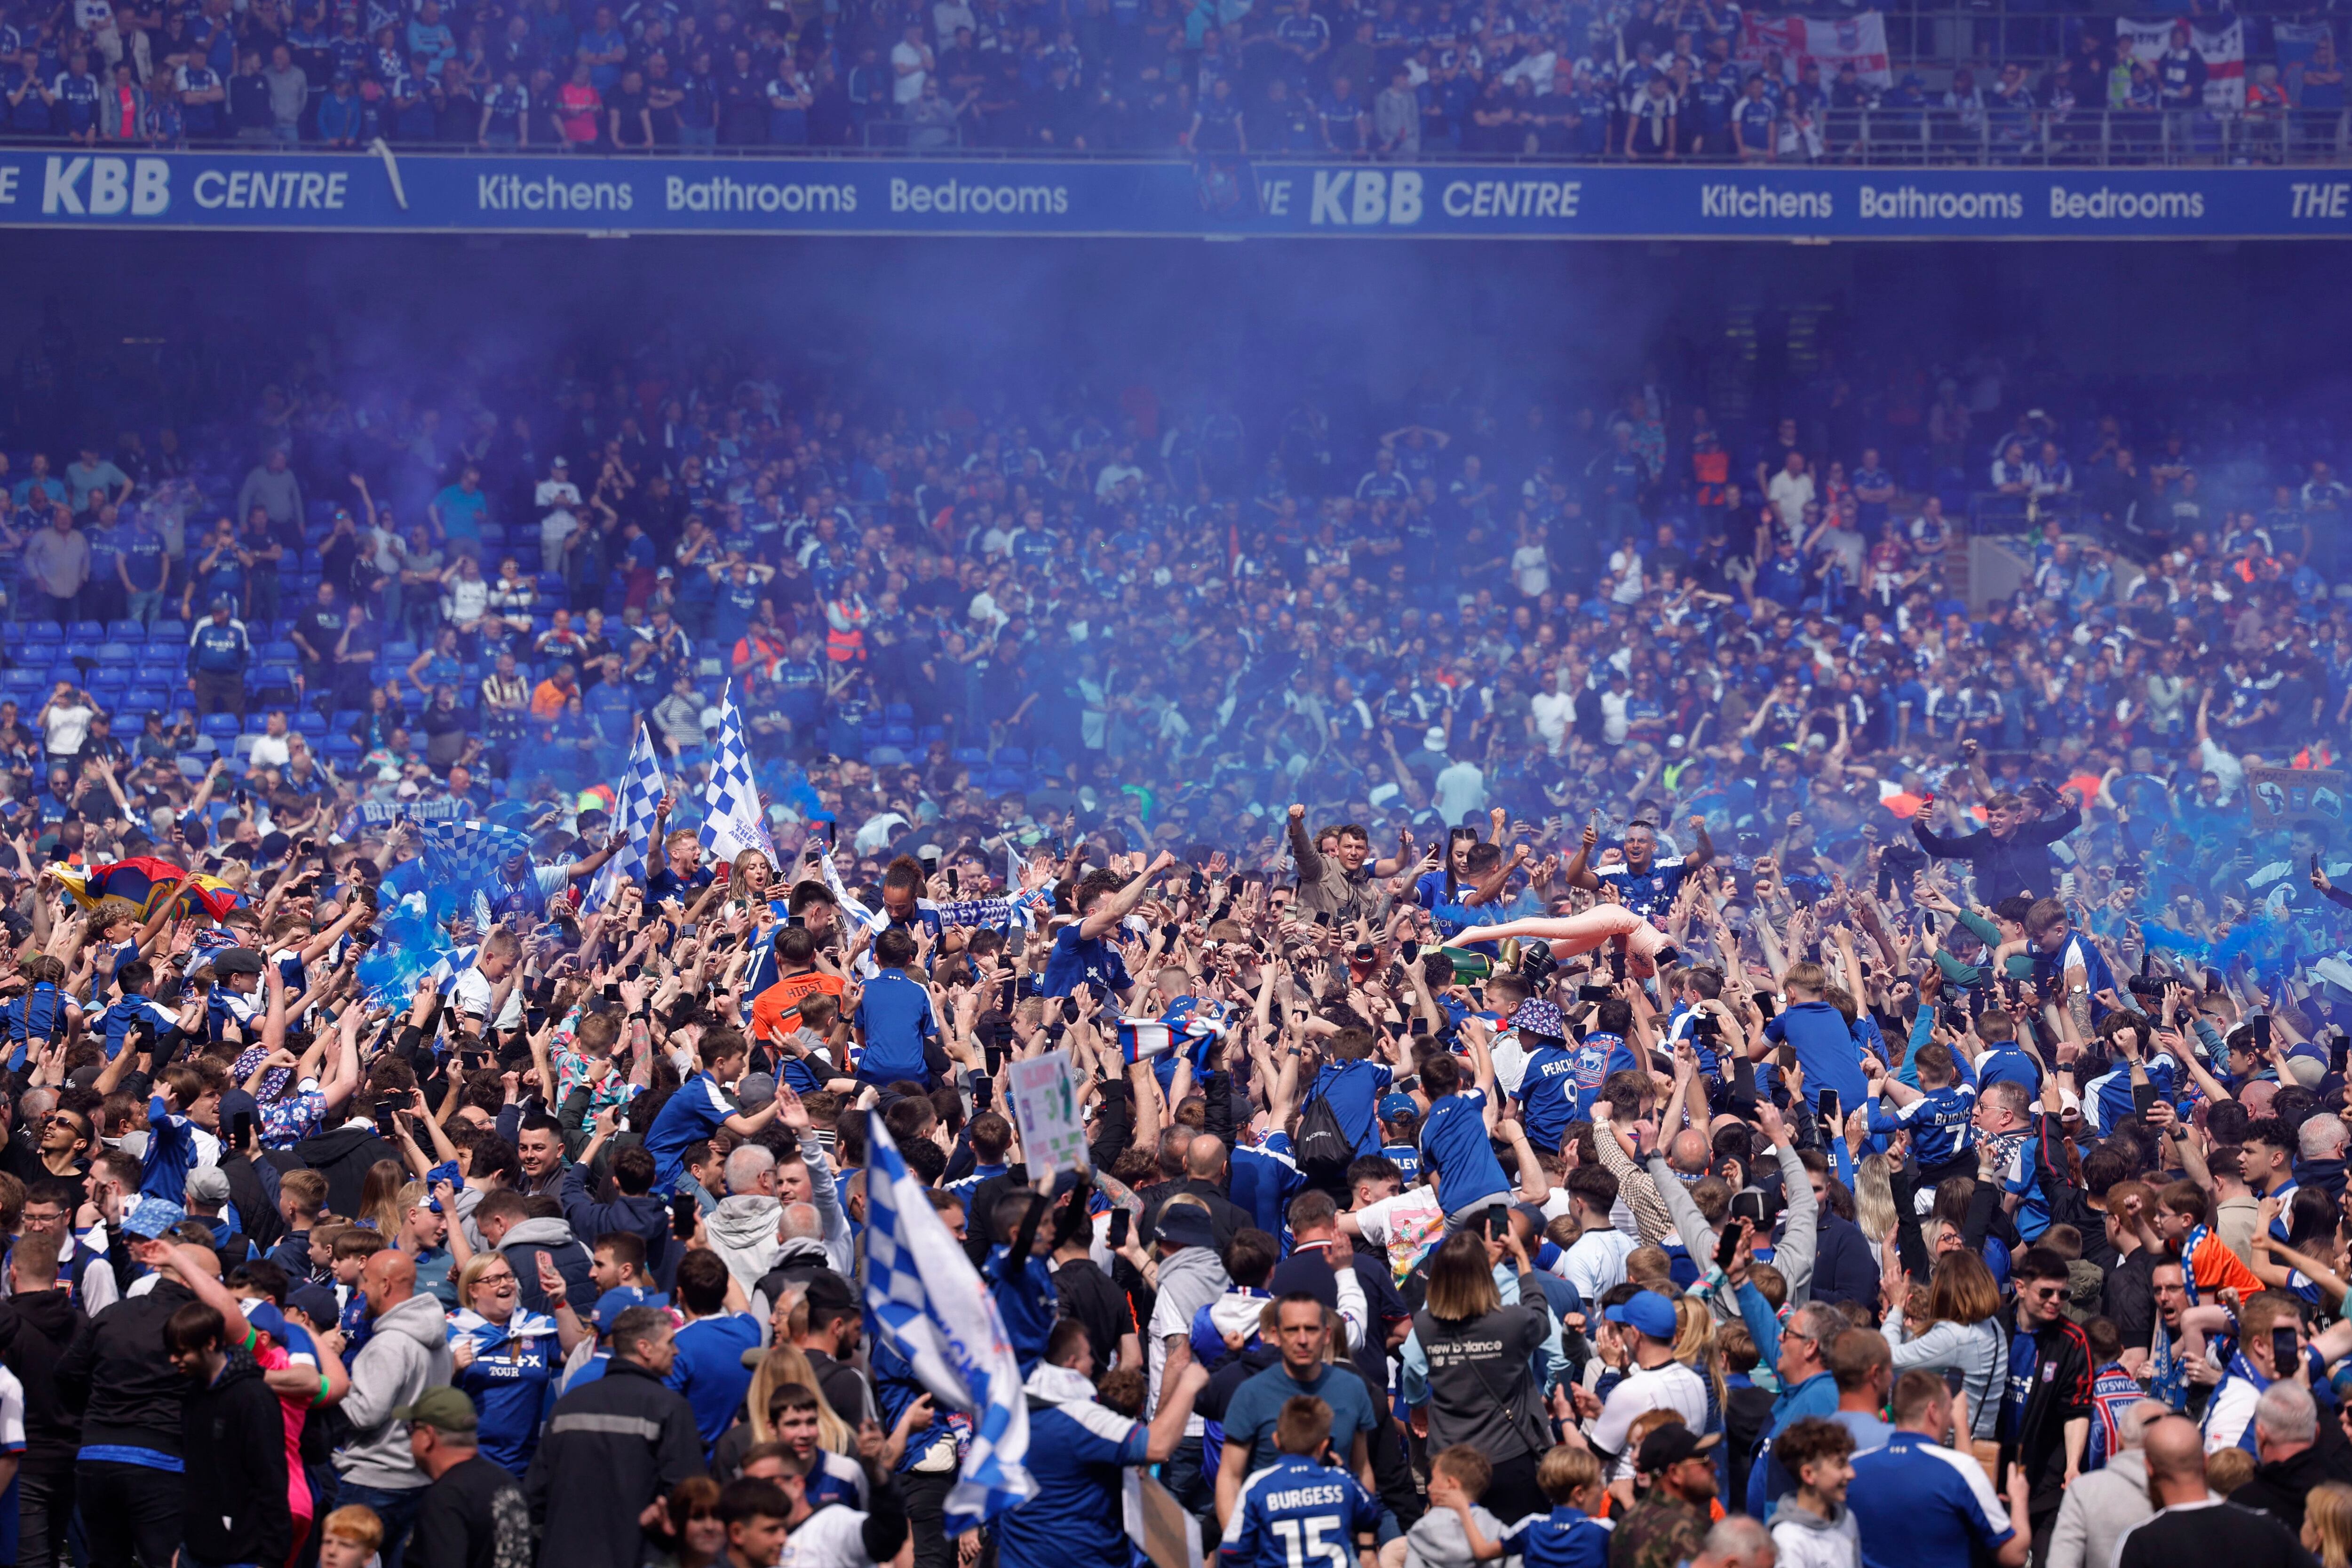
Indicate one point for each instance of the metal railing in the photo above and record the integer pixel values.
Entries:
(1888, 136)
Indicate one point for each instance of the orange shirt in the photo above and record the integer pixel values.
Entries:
(547, 699)
(776, 1011)
(2219, 1268)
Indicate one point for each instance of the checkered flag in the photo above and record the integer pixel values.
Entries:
(732, 817)
(633, 820)
(468, 854)
(926, 1304)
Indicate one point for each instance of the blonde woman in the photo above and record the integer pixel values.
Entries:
(2328, 1524)
(504, 1358)
(1874, 1205)
(1695, 1347)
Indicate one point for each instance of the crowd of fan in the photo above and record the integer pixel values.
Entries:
(1395, 79)
(1591, 1125)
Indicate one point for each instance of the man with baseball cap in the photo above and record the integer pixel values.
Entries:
(473, 1513)
(233, 999)
(1638, 1336)
(1669, 1524)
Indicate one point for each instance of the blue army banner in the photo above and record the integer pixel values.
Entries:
(1207, 198)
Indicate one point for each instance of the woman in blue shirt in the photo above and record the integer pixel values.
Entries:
(505, 1359)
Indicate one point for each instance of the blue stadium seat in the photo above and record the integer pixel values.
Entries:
(66, 671)
(1012, 756)
(1000, 779)
(969, 756)
(898, 713)
(899, 735)
(117, 654)
(403, 653)
(343, 719)
(42, 632)
(279, 650)
(174, 633)
(340, 749)
(928, 733)
(87, 631)
(218, 727)
(310, 725)
(145, 699)
(126, 630)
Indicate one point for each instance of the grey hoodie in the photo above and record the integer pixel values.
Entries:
(742, 1231)
(1806, 1540)
(1435, 1539)
(2098, 1509)
(526, 1241)
(407, 1353)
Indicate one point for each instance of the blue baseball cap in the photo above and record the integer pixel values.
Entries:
(619, 1299)
(1649, 1313)
(1394, 1107)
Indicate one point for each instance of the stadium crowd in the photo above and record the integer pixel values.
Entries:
(1622, 1013)
(1393, 80)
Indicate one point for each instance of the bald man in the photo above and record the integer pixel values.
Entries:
(407, 1353)
(2192, 1525)
(1204, 1177)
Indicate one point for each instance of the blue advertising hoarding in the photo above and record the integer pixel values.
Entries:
(363, 193)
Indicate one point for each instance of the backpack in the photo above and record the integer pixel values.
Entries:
(1320, 1145)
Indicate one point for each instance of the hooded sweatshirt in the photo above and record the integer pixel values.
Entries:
(35, 1330)
(742, 1231)
(343, 1157)
(511, 1382)
(406, 1354)
(523, 1243)
(1190, 1278)
(1806, 1540)
(1435, 1539)
(236, 1509)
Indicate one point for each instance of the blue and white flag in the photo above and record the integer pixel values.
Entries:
(732, 819)
(926, 1301)
(633, 820)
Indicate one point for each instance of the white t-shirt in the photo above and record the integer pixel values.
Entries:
(831, 1537)
(1532, 570)
(472, 995)
(270, 752)
(1461, 790)
(1405, 1226)
(1554, 712)
(466, 599)
(1673, 1387)
(908, 86)
(1596, 1264)
(1792, 493)
(67, 726)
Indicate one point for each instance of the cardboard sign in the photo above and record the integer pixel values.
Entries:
(2281, 797)
(1043, 1093)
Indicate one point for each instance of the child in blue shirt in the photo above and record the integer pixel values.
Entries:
(1566, 1537)
(897, 1032)
(1299, 1497)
